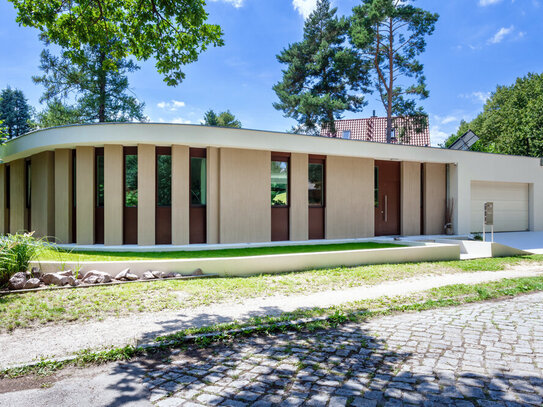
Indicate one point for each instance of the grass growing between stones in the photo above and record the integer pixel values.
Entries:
(95, 303)
(303, 320)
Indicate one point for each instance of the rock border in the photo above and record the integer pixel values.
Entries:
(54, 287)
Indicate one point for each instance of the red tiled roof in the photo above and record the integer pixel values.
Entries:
(375, 129)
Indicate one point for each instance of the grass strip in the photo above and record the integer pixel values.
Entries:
(302, 320)
(58, 254)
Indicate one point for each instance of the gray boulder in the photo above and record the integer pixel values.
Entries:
(55, 279)
(171, 274)
(67, 273)
(131, 277)
(101, 277)
(122, 274)
(148, 275)
(32, 283)
(198, 272)
(90, 280)
(17, 281)
(72, 281)
(158, 274)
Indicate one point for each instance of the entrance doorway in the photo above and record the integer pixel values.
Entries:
(387, 198)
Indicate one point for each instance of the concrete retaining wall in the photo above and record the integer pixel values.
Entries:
(244, 266)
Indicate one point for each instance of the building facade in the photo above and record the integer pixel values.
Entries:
(150, 184)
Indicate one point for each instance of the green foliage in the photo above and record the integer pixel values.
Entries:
(392, 34)
(511, 121)
(173, 33)
(223, 119)
(98, 83)
(57, 113)
(16, 253)
(15, 113)
(324, 76)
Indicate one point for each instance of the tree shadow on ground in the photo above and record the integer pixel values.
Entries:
(337, 366)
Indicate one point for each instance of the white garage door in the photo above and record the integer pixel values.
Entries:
(510, 205)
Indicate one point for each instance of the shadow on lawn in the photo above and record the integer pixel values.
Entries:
(306, 367)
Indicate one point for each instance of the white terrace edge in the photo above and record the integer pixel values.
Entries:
(277, 263)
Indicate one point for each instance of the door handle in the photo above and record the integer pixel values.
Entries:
(386, 208)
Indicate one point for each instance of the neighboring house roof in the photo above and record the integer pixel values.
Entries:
(375, 129)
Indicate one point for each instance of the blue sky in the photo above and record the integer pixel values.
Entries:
(477, 45)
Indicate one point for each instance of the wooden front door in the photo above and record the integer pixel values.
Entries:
(198, 196)
(387, 198)
(99, 196)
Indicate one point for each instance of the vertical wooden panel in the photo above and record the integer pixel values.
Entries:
(298, 197)
(85, 195)
(180, 195)
(4, 212)
(245, 183)
(113, 194)
(63, 195)
(410, 201)
(435, 197)
(17, 210)
(349, 193)
(146, 194)
(213, 195)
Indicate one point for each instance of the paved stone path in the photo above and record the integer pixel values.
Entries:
(486, 354)
(58, 340)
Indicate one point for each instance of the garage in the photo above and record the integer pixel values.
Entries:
(511, 213)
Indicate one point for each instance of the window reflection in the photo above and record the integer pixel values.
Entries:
(315, 184)
(198, 180)
(131, 180)
(164, 180)
(279, 183)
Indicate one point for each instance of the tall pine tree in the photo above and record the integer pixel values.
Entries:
(392, 34)
(324, 76)
(99, 86)
(15, 113)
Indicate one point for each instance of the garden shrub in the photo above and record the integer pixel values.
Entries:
(16, 253)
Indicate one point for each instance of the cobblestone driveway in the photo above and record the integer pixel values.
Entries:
(488, 354)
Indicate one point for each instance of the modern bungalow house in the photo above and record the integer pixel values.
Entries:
(151, 184)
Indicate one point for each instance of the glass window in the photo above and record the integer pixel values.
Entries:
(131, 180)
(315, 184)
(376, 187)
(28, 183)
(346, 134)
(99, 180)
(8, 187)
(279, 183)
(164, 180)
(198, 181)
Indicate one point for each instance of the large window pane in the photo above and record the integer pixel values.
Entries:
(198, 180)
(164, 180)
(99, 180)
(131, 180)
(279, 183)
(315, 184)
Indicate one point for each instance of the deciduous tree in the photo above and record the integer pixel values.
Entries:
(392, 34)
(173, 33)
(324, 76)
(224, 119)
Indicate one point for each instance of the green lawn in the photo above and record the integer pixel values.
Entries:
(56, 254)
(57, 306)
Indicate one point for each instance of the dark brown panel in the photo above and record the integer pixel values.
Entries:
(74, 211)
(316, 222)
(387, 211)
(163, 219)
(99, 225)
(198, 152)
(279, 223)
(130, 225)
(197, 225)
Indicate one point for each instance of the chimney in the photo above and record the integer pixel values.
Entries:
(374, 113)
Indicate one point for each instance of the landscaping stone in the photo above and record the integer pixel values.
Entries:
(72, 281)
(101, 277)
(55, 279)
(158, 274)
(171, 274)
(122, 275)
(17, 281)
(32, 283)
(198, 272)
(148, 275)
(67, 273)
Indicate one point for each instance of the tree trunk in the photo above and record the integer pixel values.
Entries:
(390, 80)
(102, 88)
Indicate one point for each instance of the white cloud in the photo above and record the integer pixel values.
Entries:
(172, 106)
(437, 136)
(235, 3)
(180, 120)
(484, 3)
(501, 34)
(304, 7)
(479, 97)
